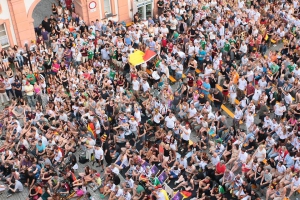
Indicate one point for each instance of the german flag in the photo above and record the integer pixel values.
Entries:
(186, 194)
(62, 151)
(91, 127)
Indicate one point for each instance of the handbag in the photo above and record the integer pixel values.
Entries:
(79, 193)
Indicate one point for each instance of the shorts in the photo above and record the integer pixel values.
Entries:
(176, 136)
(158, 124)
(184, 141)
(166, 158)
(173, 174)
(99, 161)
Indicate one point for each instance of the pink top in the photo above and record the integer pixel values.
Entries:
(55, 67)
(37, 90)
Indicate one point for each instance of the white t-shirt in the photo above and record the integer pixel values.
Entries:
(58, 156)
(296, 183)
(186, 133)
(145, 86)
(281, 169)
(256, 95)
(262, 84)
(192, 112)
(157, 117)
(279, 110)
(133, 125)
(170, 121)
(243, 157)
(135, 85)
(242, 84)
(98, 153)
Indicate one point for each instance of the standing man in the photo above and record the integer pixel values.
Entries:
(17, 88)
(160, 6)
(238, 115)
(250, 91)
(232, 93)
(29, 93)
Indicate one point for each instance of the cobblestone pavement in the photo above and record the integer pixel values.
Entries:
(42, 9)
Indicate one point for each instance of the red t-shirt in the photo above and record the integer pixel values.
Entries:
(164, 42)
(220, 169)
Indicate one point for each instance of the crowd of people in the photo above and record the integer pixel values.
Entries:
(214, 115)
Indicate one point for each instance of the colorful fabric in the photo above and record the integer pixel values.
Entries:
(91, 128)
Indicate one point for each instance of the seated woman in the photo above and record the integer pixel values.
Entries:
(87, 174)
(70, 146)
(227, 152)
(96, 182)
(173, 172)
(277, 193)
(287, 177)
(64, 189)
(122, 161)
(137, 172)
(206, 183)
(107, 189)
(234, 154)
(203, 140)
(166, 156)
(145, 149)
(154, 157)
(184, 181)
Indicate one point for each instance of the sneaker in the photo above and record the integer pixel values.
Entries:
(8, 195)
(176, 182)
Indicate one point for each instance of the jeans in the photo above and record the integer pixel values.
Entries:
(2, 96)
(178, 76)
(272, 154)
(30, 99)
(248, 136)
(10, 91)
(20, 60)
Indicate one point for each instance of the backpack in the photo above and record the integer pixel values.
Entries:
(83, 159)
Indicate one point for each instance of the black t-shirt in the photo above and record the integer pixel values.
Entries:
(176, 100)
(116, 180)
(212, 82)
(118, 149)
(33, 191)
(196, 148)
(7, 170)
(252, 144)
(207, 62)
(17, 85)
(160, 3)
(46, 25)
(105, 95)
(218, 96)
(30, 178)
(53, 35)
(261, 137)
(202, 100)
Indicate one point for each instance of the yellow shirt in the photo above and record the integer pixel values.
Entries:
(29, 90)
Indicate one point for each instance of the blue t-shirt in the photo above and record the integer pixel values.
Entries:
(207, 87)
(40, 148)
(202, 54)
